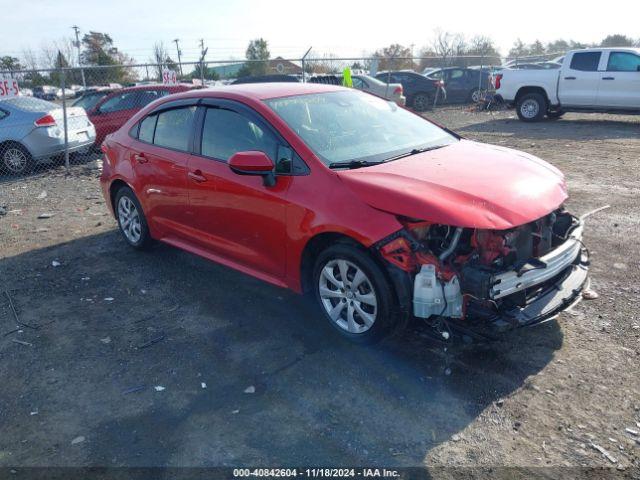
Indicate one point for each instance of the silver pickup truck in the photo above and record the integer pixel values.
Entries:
(592, 80)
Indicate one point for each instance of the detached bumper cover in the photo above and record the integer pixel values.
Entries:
(553, 300)
(552, 264)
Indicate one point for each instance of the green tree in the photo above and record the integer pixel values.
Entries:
(617, 40)
(99, 50)
(10, 63)
(208, 74)
(258, 55)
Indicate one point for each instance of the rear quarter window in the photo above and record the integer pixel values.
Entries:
(147, 127)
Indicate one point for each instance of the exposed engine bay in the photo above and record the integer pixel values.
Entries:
(495, 279)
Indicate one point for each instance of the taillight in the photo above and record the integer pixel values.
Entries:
(46, 121)
(398, 90)
(498, 80)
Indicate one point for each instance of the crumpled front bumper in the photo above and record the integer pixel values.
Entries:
(553, 299)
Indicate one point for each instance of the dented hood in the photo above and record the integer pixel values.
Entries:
(466, 184)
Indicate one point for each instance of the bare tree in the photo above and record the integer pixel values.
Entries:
(448, 46)
(160, 56)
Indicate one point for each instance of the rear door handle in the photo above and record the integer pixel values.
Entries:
(197, 176)
(569, 78)
(140, 158)
(608, 78)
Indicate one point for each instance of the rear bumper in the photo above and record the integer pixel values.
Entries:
(42, 145)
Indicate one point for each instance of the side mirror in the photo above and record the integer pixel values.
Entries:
(253, 162)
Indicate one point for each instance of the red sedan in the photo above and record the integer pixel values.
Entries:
(378, 212)
(109, 109)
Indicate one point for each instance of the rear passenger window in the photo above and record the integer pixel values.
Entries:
(585, 61)
(173, 128)
(147, 126)
(226, 132)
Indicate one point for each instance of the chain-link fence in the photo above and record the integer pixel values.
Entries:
(52, 118)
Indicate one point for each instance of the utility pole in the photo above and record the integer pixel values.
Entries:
(176, 40)
(203, 52)
(76, 29)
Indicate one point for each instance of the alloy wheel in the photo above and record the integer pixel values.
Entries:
(348, 296)
(529, 108)
(15, 160)
(421, 102)
(129, 220)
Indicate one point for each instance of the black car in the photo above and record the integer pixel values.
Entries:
(462, 84)
(419, 90)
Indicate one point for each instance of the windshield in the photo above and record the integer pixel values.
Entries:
(350, 125)
(89, 101)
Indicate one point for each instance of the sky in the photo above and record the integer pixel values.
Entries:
(345, 28)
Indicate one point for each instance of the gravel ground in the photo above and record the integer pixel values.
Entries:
(165, 359)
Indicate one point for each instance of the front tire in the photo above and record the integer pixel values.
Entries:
(354, 294)
(421, 102)
(531, 107)
(131, 220)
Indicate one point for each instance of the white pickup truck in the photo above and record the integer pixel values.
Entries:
(591, 80)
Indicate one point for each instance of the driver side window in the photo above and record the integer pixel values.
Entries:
(226, 132)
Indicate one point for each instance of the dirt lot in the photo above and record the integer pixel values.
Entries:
(114, 324)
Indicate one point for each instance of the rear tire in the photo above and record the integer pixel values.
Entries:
(361, 306)
(15, 159)
(475, 96)
(131, 220)
(531, 107)
(421, 102)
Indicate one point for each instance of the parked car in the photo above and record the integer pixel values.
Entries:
(114, 109)
(45, 92)
(593, 80)
(68, 93)
(31, 130)
(90, 98)
(27, 92)
(420, 91)
(378, 212)
(391, 91)
(462, 84)
(265, 79)
(366, 83)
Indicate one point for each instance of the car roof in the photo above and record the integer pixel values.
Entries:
(262, 91)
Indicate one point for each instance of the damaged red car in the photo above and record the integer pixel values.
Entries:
(377, 212)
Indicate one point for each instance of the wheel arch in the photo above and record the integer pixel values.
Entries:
(114, 187)
(526, 90)
(7, 143)
(399, 281)
(312, 249)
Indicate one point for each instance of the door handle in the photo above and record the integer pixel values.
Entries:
(140, 158)
(608, 78)
(197, 176)
(569, 78)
